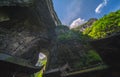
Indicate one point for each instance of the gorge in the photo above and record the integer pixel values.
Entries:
(30, 27)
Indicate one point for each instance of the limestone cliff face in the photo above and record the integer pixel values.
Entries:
(26, 27)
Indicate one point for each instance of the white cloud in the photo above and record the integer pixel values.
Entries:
(77, 22)
(100, 6)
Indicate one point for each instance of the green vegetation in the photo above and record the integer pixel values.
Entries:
(105, 26)
(92, 57)
(64, 33)
(89, 59)
(66, 36)
(41, 62)
(81, 36)
(75, 48)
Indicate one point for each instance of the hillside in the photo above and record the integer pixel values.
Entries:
(105, 26)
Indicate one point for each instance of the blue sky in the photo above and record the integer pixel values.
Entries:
(70, 10)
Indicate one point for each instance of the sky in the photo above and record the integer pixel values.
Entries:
(74, 12)
(41, 56)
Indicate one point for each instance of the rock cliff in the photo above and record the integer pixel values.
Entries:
(27, 27)
(71, 49)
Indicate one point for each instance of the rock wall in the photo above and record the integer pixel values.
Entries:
(27, 27)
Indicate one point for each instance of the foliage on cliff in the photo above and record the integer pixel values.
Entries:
(64, 33)
(72, 46)
(105, 26)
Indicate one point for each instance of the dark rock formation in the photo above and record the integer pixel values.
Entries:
(10, 66)
(108, 48)
(27, 27)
